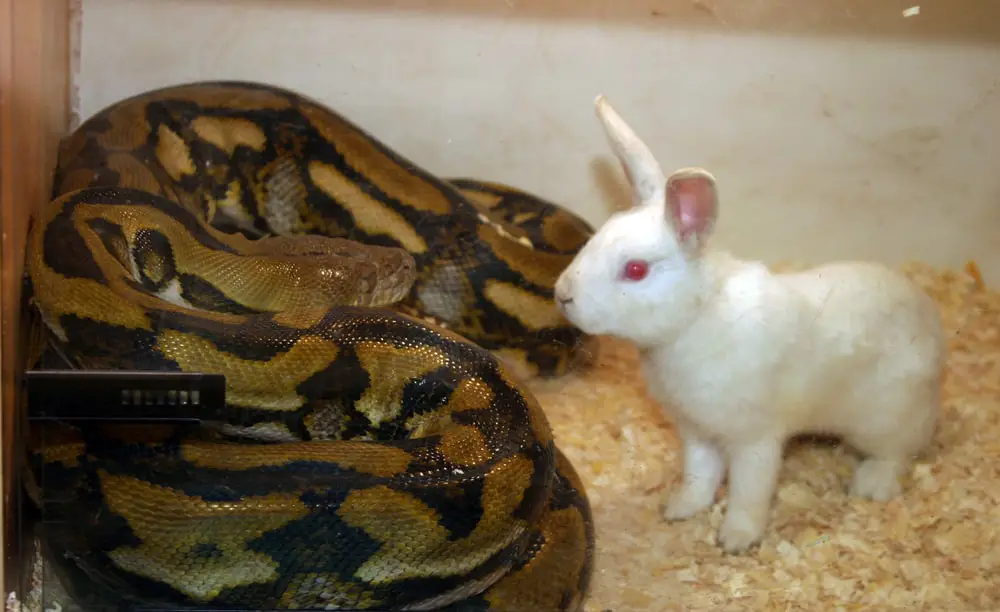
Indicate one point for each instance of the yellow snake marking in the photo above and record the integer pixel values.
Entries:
(102, 303)
(370, 214)
(464, 445)
(517, 235)
(81, 297)
(120, 249)
(189, 255)
(128, 132)
(163, 520)
(133, 172)
(516, 359)
(231, 205)
(363, 457)
(562, 233)
(471, 394)
(154, 266)
(314, 279)
(488, 200)
(76, 179)
(300, 319)
(485, 202)
(415, 545)
(227, 133)
(394, 367)
(266, 384)
(67, 454)
(526, 306)
(389, 177)
(536, 266)
(173, 154)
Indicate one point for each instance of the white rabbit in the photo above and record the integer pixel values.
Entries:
(742, 358)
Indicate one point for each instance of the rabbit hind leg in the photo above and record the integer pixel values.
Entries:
(890, 449)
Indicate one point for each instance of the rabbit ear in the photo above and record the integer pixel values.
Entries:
(692, 204)
(641, 168)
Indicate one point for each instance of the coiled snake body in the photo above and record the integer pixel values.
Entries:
(370, 459)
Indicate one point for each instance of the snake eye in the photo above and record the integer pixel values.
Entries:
(635, 269)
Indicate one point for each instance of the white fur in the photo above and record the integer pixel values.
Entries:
(743, 359)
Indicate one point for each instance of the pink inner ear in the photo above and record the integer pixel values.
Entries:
(692, 204)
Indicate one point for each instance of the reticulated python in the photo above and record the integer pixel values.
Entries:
(374, 459)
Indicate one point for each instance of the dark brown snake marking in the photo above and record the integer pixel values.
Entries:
(368, 459)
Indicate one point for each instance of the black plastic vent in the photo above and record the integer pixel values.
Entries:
(98, 395)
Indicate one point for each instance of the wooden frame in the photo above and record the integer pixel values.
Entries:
(34, 114)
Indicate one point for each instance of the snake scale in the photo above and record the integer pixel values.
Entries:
(379, 450)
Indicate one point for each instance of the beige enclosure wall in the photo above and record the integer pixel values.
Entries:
(836, 128)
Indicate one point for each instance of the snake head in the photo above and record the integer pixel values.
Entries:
(327, 272)
(379, 275)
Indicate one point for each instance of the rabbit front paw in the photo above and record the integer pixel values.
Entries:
(703, 470)
(739, 532)
(687, 502)
(752, 479)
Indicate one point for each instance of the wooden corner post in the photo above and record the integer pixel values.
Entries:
(34, 114)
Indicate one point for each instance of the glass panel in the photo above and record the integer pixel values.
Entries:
(432, 395)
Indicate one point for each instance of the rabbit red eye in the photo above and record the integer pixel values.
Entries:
(636, 269)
